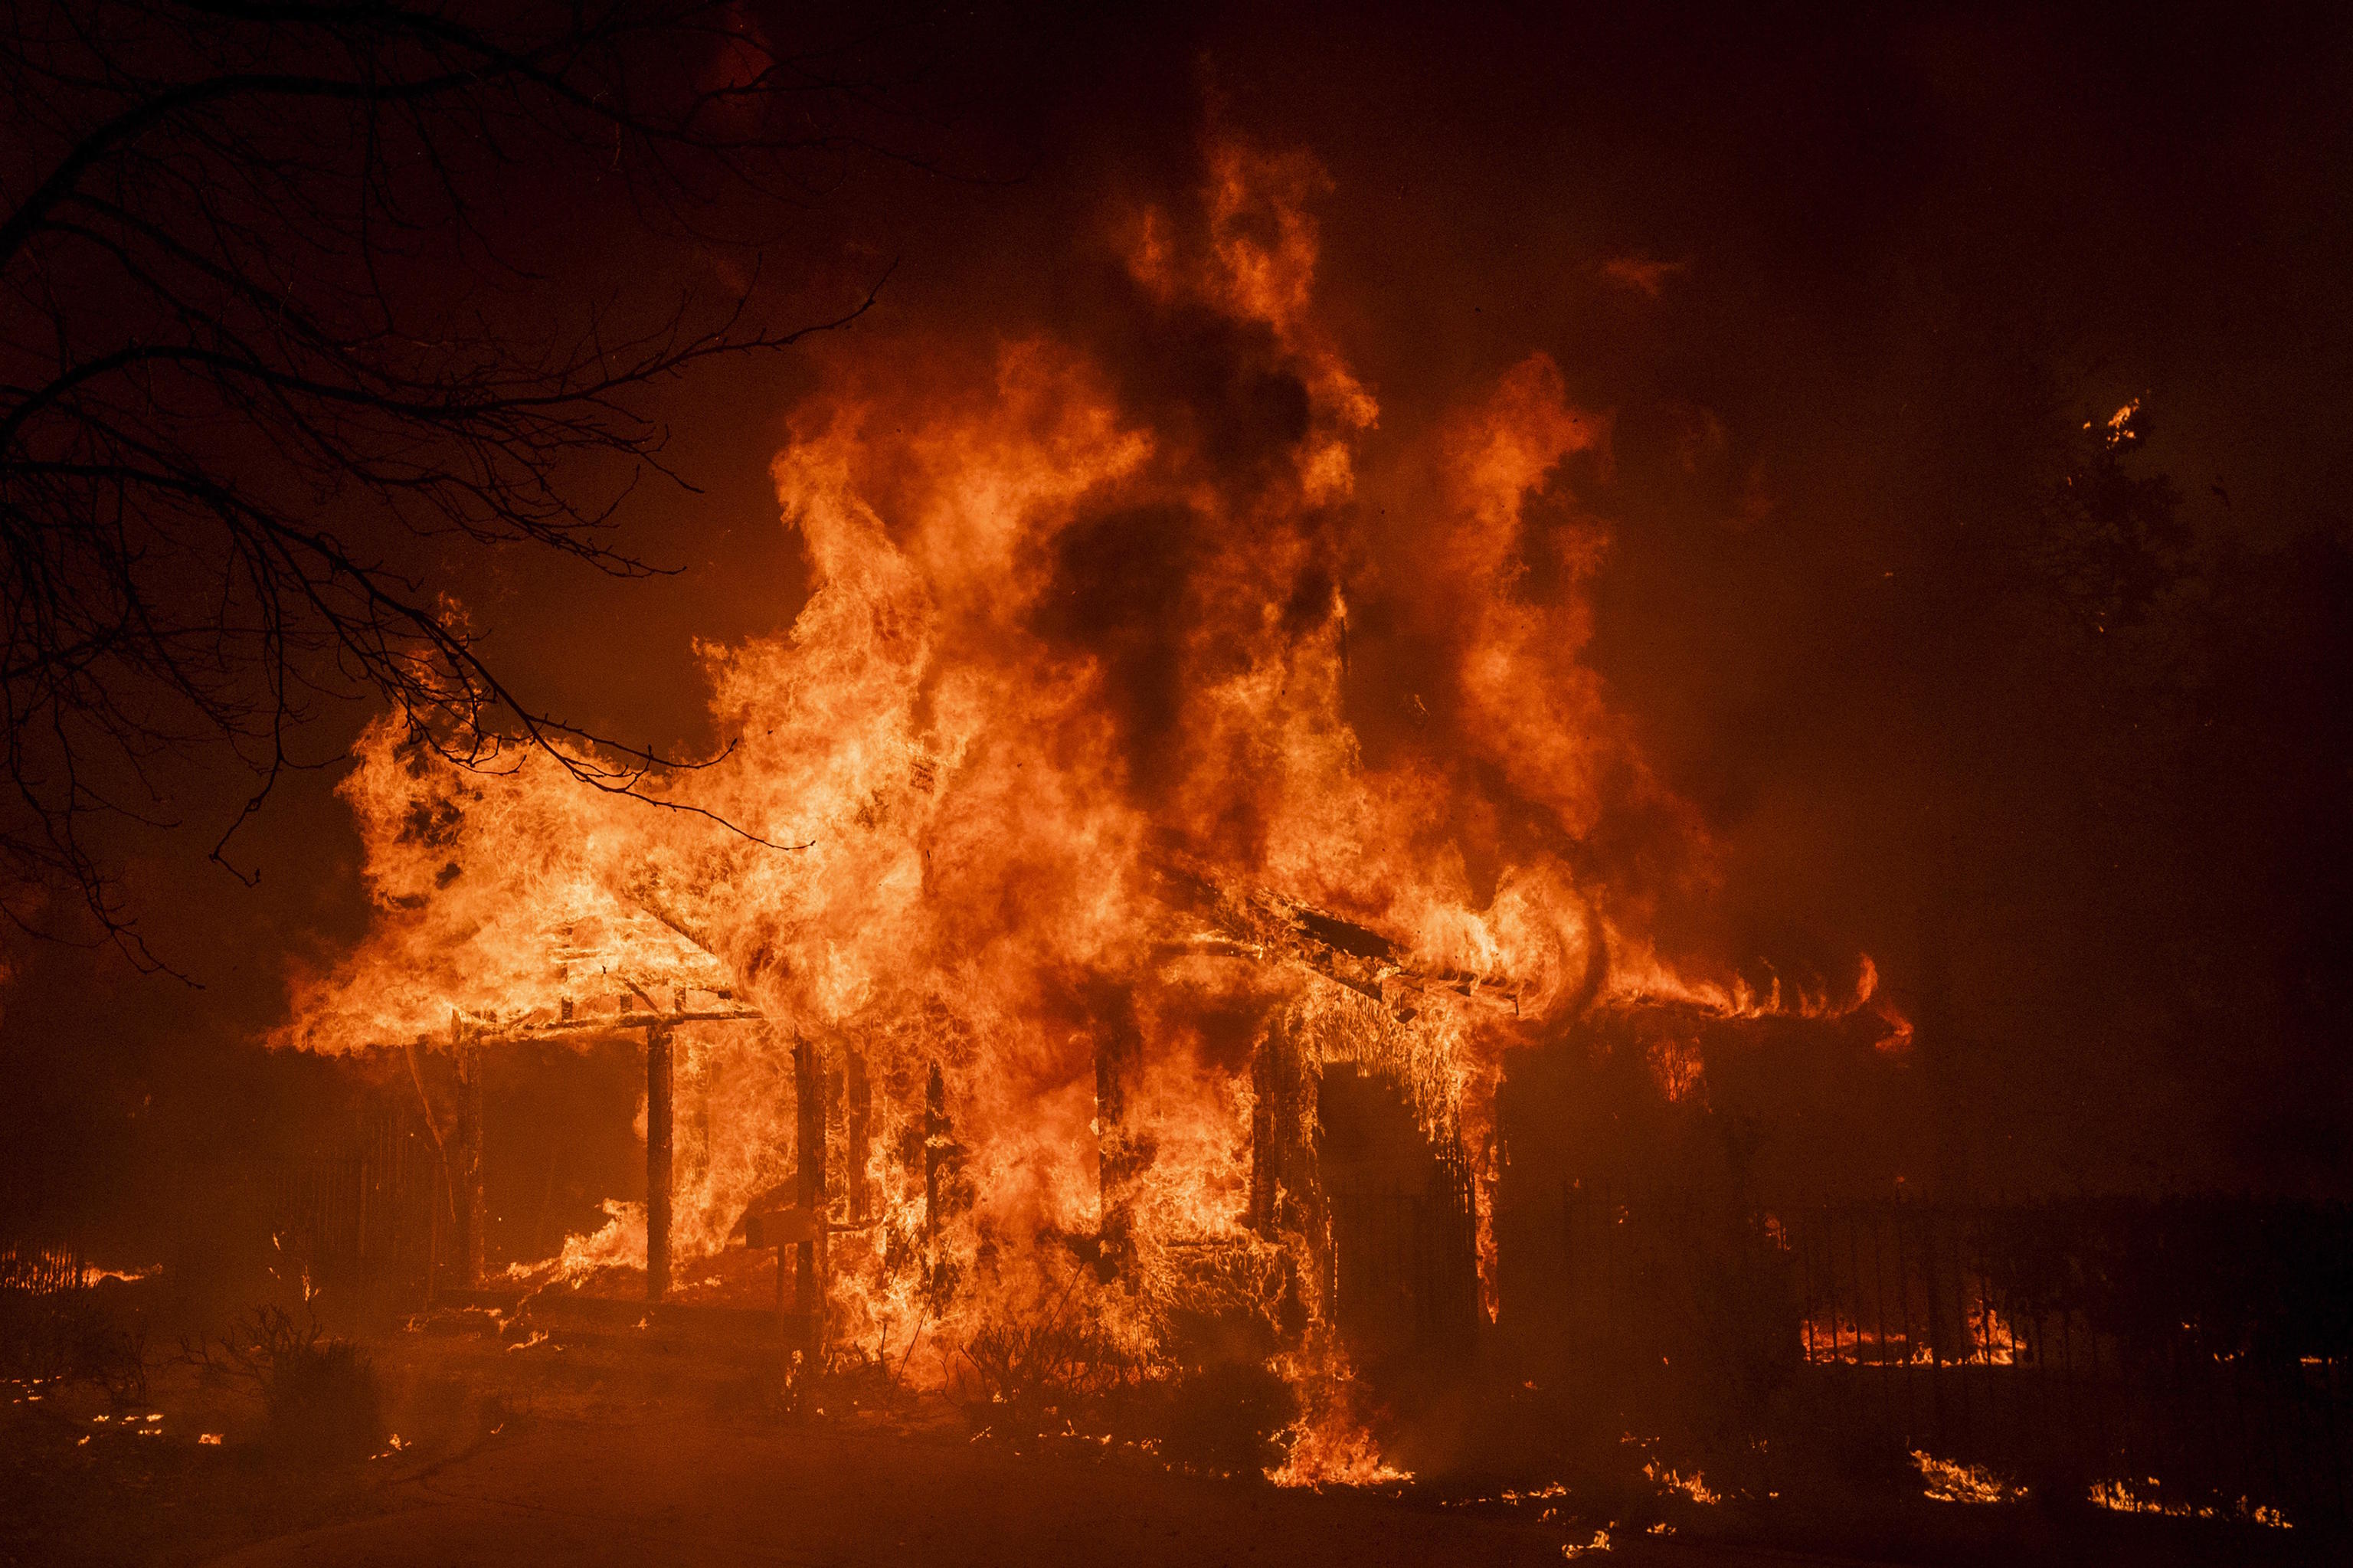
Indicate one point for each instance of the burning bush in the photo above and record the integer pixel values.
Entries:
(1046, 1370)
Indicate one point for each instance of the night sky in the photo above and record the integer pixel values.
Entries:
(1849, 288)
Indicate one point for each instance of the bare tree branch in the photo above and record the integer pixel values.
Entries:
(264, 330)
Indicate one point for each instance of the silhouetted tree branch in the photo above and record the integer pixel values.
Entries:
(264, 333)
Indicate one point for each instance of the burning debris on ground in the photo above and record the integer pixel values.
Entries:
(1300, 841)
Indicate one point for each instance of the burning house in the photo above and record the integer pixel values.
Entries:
(1241, 820)
(1056, 931)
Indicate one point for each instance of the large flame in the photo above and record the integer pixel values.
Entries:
(1060, 759)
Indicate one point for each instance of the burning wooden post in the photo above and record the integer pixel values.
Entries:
(694, 1068)
(858, 1130)
(468, 1056)
(941, 1153)
(809, 1162)
(660, 1080)
(1120, 1155)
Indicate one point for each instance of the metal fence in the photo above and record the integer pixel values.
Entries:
(35, 1269)
(2196, 1346)
(2194, 1350)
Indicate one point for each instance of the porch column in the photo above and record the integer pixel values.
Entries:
(809, 1277)
(472, 1212)
(658, 1113)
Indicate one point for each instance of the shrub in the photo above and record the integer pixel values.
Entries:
(321, 1395)
(325, 1400)
(1034, 1375)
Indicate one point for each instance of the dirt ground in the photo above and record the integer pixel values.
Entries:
(648, 1446)
(678, 1491)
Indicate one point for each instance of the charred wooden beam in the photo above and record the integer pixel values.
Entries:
(661, 1078)
(1261, 926)
(613, 1022)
